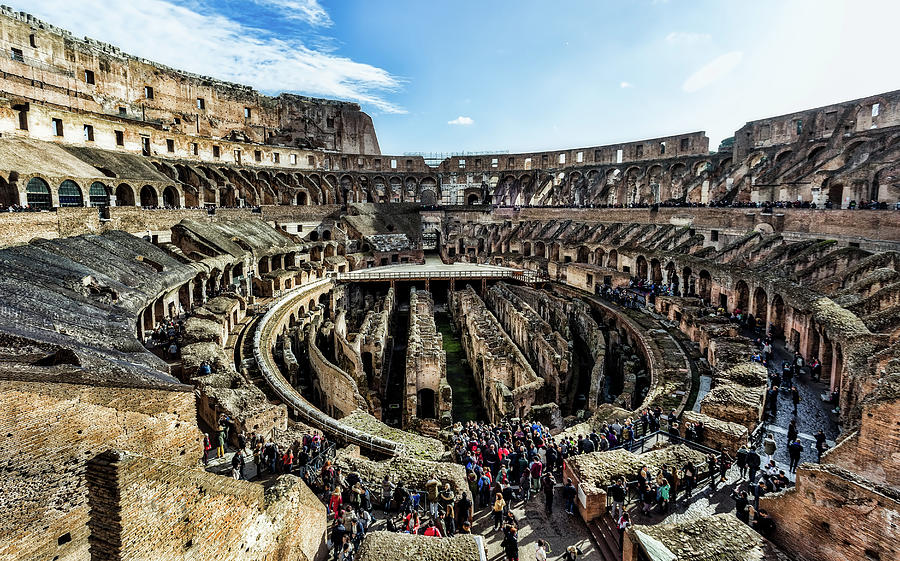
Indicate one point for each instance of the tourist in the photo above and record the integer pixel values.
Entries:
(753, 462)
(569, 493)
(742, 506)
(432, 487)
(466, 528)
(497, 510)
(617, 495)
(220, 437)
(525, 485)
(464, 510)
(623, 523)
(387, 489)
(571, 553)
(207, 446)
(540, 551)
(769, 446)
(795, 397)
(821, 446)
(335, 502)
(338, 532)
(411, 523)
(795, 450)
(449, 520)
(537, 469)
(346, 552)
(662, 494)
(432, 530)
(548, 484)
(510, 544)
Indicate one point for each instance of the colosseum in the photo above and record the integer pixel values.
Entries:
(233, 329)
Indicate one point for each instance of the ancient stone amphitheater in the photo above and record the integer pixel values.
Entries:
(321, 286)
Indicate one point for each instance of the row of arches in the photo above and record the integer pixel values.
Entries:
(619, 184)
(39, 195)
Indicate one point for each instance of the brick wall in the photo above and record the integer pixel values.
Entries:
(832, 515)
(148, 509)
(50, 430)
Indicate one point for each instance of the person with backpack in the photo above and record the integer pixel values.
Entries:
(497, 510)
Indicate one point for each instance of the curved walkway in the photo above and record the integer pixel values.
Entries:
(263, 342)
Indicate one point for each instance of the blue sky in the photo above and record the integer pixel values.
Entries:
(520, 75)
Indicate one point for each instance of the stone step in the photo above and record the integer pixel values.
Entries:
(606, 534)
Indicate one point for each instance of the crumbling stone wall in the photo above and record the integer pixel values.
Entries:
(544, 346)
(147, 509)
(426, 362)
(506, 381)
(52, 429)
(833, 515)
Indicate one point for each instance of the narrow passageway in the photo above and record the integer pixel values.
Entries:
(813, 414)
(467, 405)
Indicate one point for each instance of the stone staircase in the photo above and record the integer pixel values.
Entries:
(606, 535)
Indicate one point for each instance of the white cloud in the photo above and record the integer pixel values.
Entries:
(309, 11)
(713, 71)
(464, 121)
(210, 44)
(687, 38)
(624, 85)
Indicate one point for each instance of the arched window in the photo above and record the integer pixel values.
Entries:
(37, 194)
(70, 194)
(98, 194)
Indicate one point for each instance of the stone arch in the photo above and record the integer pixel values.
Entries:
(642, 267)
(425, 404)
(760, 303)
(124, 195)
(815, 151)
(701, 166)
(599, 256)
(149, 197)
(672, 278)
(754, 159)
(688, 278)
(171, 197)
(783, 156)
(554, 252)
(98, 194)
(612, 259)
(429, 191)
(348, 189)
(37, 194)
(778, 317)
(540, 249)
(302, 199)
(472, 199)
(742, 295)
(704, 288)
(656, 271)
(581, 254)
(8, 195)
(70, 194)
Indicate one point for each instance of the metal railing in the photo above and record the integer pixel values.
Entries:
(367, 275)
(632, 492)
